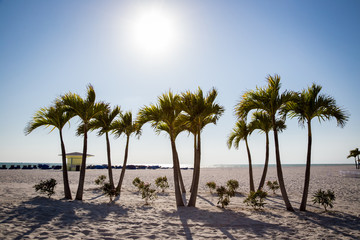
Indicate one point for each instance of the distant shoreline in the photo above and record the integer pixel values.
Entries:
(21, 164)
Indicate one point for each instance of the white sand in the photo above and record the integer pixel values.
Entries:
(24, 214)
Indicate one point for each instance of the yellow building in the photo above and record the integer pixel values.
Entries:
(74, 160)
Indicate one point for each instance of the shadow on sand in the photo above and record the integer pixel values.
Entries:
(41, 211)
(226, 221)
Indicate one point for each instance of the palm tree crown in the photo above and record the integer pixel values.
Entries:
(311, 104)
(267, 99)
(200, 110)
(240, 132)
(125, 125)
(85, 109)
(54, 116)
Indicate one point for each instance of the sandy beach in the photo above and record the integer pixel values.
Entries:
(25, 214)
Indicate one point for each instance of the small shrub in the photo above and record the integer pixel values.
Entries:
(148, 193)
(256, 199)
(232, 186)
(46, 187)
(162, 183)
(224, 196)
(273, 186)
(138, 183)
(100, 180)
(324, 198)
(109, 191)
(211, 186)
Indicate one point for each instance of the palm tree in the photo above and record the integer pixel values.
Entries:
(311, 104)
(270, 101)
(241, 131)
(125, 125)
(199, 111)
(355, 153)
(86, 109)
(164, 117)
(103, 123)
(57, 117)
(262, 122)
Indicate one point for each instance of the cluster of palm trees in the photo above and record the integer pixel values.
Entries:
(269, 108)
(191, 112)
(355, 153)
(173, 114)
(94, 116)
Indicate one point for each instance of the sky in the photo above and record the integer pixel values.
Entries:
(134, 51)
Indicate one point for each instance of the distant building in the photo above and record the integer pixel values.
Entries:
(74, 160)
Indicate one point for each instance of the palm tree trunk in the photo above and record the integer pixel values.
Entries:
(193, 178)
(178, 196)
(307, 171)
(182, 186)
(80, 190)
(118, 188)
(111, 179)
(263, 177)
(279, 170)
(193, 196)
(67, 191)
(251, 178)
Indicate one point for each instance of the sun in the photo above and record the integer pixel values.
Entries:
(154, 33)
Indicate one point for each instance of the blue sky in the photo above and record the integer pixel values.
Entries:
(48, 48)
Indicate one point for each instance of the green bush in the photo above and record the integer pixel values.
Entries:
(211, 186)
(273, 186)
(46, 187)
(148, 193)
(100, 180)
(109, 191)
(232, 186)
(138, 183)
(256, 199)
(224, 196)
(324, 198)
(162, 183)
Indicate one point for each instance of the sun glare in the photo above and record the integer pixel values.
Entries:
(154, 33)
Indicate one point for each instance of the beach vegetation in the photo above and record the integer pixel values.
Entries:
(148, 193)
(86, 109)
(103, 123)
(273, 186)
(324, 198)
(138, 183)
(125, 125)
(54, 116)
(242, 131)
(211, 185)
(100, 180)
(224, 196)
(271, 101)
(161, 182)
(164, 117)
(46, 187)
(198, 112)
(305, 106)
(256, 199)
(232, 185)
(108, 190)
